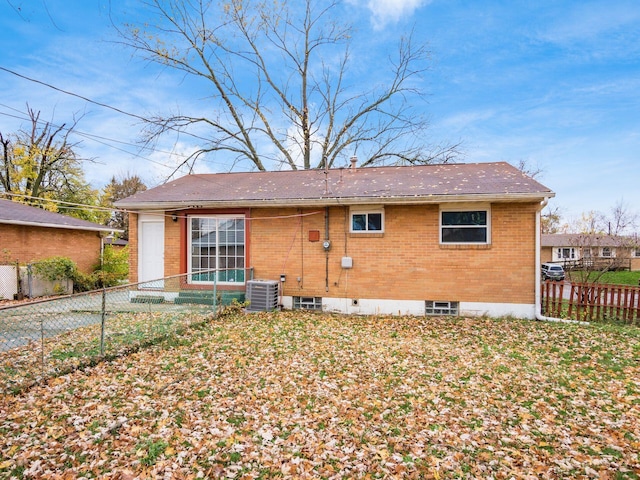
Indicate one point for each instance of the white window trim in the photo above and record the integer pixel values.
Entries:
(612, 250)
(469, 207)
(189, 256)
(360, 210)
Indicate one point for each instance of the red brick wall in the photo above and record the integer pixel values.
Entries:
(27, 244)
(172, 242)
(133, 248)
(405, 262)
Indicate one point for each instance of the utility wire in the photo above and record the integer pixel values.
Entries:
(119, 210)
(103, 141)
(100, 104)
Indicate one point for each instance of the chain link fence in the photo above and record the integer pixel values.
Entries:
(42, 338)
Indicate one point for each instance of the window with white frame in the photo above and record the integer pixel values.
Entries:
(636, 252)
(567, 253)
(367, 220)
(216, 249)
(465, 226)
(607, 252)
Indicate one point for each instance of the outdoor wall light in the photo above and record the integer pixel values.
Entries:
(174, 217)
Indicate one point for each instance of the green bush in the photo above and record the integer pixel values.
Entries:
(115, 266)
(84, 282)
(56, 268)
(114, 269)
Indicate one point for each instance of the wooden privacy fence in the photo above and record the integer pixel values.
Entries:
(589, 301)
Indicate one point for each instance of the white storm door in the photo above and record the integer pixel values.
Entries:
(151, 250)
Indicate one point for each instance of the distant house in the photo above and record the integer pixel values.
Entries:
(453, 238)
(115, 242)
(28, 234)
(591, 250)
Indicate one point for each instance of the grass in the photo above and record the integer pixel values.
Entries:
(303, 395)
(623, 277)
(21, 368)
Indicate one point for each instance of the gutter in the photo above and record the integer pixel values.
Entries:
(538, 290)
(161, 206)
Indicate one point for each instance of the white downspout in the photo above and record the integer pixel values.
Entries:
(538, 292)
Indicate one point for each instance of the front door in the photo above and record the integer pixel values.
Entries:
(151, 251)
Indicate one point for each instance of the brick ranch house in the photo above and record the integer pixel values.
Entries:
(450, 238)
(597, 251)
(28, 234)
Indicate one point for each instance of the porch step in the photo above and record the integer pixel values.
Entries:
(147, 299)
(206, 297)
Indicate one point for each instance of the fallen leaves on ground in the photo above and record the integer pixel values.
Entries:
(303, 395)
(75, 348)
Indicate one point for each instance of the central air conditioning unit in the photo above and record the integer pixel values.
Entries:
(262, 295)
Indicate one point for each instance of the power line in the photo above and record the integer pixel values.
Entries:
(101, 139)
(95, 102)
(66, 92)
(71, 205)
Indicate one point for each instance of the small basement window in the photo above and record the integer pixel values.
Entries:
(433, 307)
(307, 303)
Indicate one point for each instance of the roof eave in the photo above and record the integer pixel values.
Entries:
(54, 225)
(333, 201)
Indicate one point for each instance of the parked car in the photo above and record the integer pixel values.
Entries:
(552, 271)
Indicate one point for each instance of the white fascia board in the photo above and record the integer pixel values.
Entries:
(336, 201)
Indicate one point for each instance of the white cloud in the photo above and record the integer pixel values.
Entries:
(385, 12)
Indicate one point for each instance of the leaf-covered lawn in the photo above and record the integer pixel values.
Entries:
(306, 395)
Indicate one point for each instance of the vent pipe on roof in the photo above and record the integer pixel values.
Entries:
(354, 161)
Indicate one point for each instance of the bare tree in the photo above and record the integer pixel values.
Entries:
(592, 222)
(280, 94)
(623, 220)
(39, 165)
(528, 168)
(118, 188)
(551, 220)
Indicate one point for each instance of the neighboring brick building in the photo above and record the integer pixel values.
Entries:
(28, 234)
(595, 251)
(460, 238)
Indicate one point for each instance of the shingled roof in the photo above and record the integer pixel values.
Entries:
(587, 240)
(15, 213)
(496, 181)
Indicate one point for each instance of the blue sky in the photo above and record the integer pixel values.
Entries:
(553, 83)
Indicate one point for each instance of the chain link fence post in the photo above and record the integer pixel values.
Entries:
(215, 293)
(42, 371)
(20, 294)
(103, 312)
